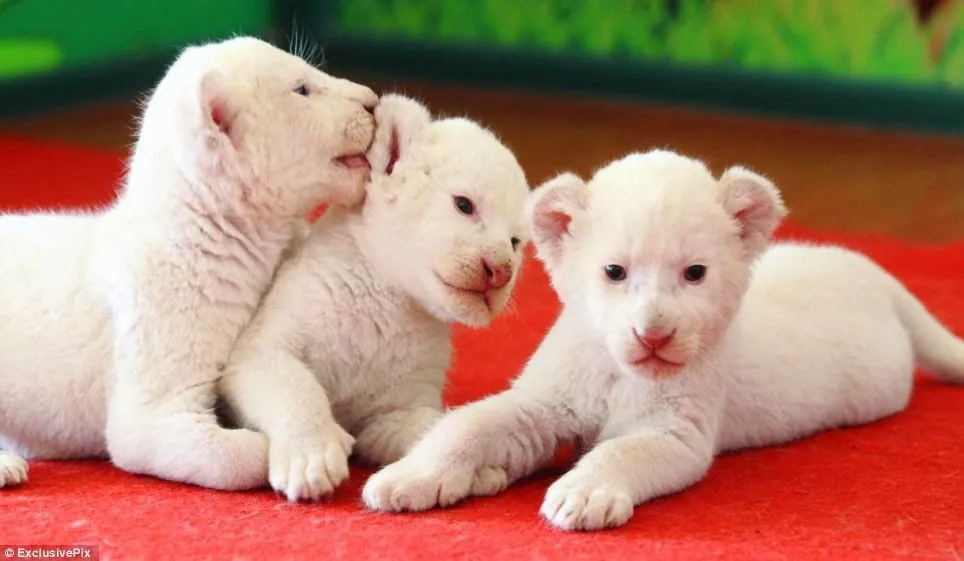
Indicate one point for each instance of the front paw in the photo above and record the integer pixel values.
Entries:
(410, 486)
(310, 468)
(577, 502)
(13, 470)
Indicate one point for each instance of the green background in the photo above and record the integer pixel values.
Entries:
(41, 36)
(863, 61)
(878, 40)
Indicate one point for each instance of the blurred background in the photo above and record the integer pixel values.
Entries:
(854, 107)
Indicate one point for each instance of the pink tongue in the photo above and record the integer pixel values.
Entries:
(356, 161)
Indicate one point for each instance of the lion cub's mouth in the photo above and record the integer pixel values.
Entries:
(467, 292)
(654, 358)
(657, 366)
(354, 161)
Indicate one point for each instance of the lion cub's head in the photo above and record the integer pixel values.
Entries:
(447, 202)
(244, 121)
(655, 251)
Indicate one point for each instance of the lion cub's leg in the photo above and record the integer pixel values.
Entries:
(170, 346)
(180, 440)
(475, 450)
(387, 437)
(308, 453)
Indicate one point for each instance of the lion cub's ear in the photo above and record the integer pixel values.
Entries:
(207, 113)
(398, 121)
(555, 208)
(754, 203)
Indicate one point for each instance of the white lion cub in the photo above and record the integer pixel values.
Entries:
(116, 324)
(351, 345)
(681, 336)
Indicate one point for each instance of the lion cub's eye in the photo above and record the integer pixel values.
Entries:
(301, 90)
(464, 205)
(515, 243)
(694, 273)
(615, 273)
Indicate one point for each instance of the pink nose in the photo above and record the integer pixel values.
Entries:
(653, 339)
(496, 276)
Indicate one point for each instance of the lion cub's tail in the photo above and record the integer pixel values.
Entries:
(938, 350)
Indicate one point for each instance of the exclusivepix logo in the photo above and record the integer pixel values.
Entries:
(50, 552)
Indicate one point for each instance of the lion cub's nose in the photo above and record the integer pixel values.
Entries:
(654, 339)
(360, 94)
(497, 275)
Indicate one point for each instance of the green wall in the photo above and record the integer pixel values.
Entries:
(895, 63)
(40, 36)
(889, 41)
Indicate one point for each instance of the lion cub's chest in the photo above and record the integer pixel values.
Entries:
(374, 346)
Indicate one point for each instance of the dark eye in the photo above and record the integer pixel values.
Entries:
(515, 243)
(615, 272)
(464, 205)
(301, 90)
(694, 273)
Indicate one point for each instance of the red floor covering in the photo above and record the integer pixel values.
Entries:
(894, 489)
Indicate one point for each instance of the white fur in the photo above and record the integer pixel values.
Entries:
(115, 324)
(350, 348)
(824, 338)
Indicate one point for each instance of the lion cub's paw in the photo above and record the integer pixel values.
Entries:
(310, 468)
(489, 481)
(576, 502)
(407, 486)
(13, 470)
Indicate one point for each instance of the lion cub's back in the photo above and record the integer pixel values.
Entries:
(54, 333)
(818, 344)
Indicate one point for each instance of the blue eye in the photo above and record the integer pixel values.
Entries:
(615, 273)
(464, 205)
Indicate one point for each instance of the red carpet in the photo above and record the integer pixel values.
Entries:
(891, 490)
